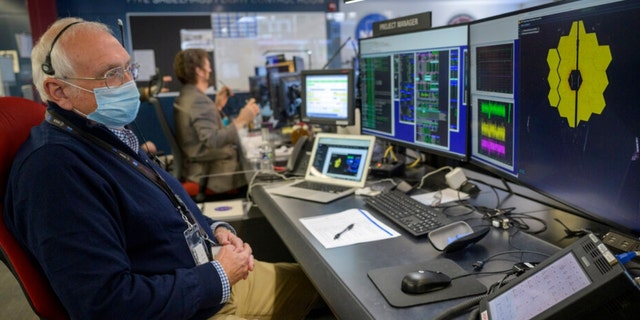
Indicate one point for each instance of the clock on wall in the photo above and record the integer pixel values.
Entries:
(460, 18)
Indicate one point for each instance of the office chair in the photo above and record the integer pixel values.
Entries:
(198, 191)
(17, 116)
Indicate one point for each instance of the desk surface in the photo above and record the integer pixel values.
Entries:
(340, 274)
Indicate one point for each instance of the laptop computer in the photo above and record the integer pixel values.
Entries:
(339, 164)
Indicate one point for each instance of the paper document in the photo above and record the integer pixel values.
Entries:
(444, 196)
(347, 227)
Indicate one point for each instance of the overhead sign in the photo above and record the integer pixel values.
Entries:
(416, 22)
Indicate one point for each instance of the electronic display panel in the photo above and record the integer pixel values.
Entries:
(495, 56)
(581, 281)
(413, 90)
(578, 123)
(541, 291)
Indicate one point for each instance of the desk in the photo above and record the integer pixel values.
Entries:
(340, 274)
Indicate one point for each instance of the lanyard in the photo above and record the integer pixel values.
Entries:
(149, 172)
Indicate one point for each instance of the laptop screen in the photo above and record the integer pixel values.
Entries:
(340, 159)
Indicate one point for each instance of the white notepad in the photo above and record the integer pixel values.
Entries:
(224, 210)
(364, 228)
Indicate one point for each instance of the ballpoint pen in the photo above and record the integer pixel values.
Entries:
(349, 227)
(229, 92)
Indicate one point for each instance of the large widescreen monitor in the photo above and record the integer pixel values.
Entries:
(554, 106)
(413, 90)
(579, 119)
(494, 57)
(328, 96)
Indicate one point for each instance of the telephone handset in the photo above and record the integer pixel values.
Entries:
(296, 161)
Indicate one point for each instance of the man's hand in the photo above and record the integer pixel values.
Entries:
(247, 113)
(222, 97)
(235, 256)
(224, 236)
(237, 262)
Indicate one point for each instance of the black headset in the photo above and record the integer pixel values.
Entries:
(47, 68)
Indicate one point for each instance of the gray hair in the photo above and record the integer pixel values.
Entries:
(58, 57)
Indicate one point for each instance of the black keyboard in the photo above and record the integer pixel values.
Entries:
(414, 216)
(321, 186)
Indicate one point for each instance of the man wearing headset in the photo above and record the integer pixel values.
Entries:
(116, 236)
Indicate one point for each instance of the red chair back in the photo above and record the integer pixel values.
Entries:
(17, 117)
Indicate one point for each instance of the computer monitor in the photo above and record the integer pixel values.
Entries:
(258, 89)
(290, 95)
(567, 127)
(578, 122)
(277, 100)
(328, 97)
(495, 57)
(276, 58)
(413, 90)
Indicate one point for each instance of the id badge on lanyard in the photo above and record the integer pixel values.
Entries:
(196, 244)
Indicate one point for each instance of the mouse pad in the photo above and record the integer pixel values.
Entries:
(388, 281)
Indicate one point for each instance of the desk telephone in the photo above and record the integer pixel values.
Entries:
(299, 159)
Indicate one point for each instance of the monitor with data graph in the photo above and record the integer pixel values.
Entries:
(413, 90)
(493, 92)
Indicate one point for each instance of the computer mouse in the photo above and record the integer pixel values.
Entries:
(423, 281)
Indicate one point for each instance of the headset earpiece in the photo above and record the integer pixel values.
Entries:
(46, 66)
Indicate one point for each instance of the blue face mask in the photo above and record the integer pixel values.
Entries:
(117, 107)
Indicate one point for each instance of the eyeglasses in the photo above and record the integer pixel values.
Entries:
(114, 77)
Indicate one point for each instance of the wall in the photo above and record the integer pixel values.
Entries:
(14, 19)
(346, 23)
(356, 18)
(350, 23)
(164, 38)
(444, 11)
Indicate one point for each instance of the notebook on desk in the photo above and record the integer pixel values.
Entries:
(339, 164)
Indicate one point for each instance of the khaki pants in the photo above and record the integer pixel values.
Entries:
(272, 291)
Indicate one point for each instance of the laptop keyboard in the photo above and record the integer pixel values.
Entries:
(412, 215)
(311, 185)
